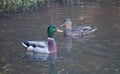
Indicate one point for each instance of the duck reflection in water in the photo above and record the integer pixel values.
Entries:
(51, 60)
(68, 43)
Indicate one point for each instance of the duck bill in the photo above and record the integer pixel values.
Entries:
(58, 30)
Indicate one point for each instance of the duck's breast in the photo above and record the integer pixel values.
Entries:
(52, 45)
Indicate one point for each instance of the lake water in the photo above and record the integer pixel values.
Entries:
(93, 54)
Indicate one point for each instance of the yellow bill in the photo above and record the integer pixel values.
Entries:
(58, 30)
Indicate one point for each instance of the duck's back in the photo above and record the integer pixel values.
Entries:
(82, 30)
(37, 46)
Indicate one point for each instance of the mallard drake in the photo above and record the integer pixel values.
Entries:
(43, 47)
(76, 30)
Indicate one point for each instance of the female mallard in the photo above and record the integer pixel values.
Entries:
(42, 47)
(76, 31)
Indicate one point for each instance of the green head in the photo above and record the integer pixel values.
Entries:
(51, 30)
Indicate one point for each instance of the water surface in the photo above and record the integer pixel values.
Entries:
(94, 54)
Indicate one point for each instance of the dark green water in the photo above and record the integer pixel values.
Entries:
(98, 54)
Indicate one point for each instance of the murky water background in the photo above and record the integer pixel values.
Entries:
(98, 54)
